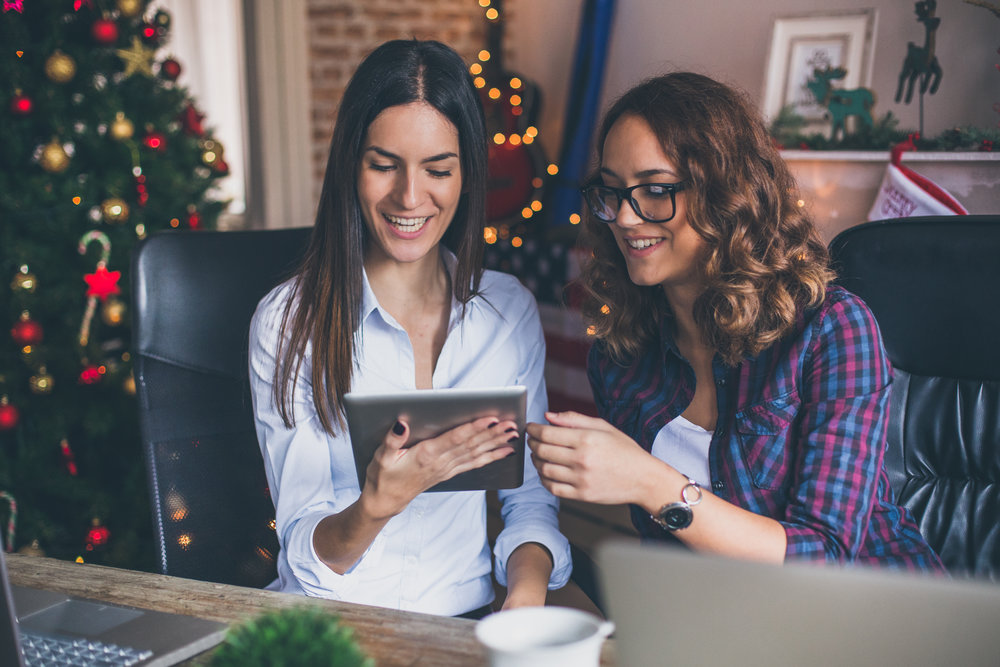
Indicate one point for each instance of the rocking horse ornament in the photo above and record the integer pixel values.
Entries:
(921, 63)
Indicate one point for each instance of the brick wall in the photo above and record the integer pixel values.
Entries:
(343, 32)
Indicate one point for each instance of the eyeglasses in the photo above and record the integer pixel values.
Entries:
(653, 202)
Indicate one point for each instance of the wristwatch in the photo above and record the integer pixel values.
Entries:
(674, 516)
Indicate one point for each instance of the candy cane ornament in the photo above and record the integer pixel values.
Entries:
(101, 284)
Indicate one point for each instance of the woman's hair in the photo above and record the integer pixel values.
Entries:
(763, 259)
(325, 305)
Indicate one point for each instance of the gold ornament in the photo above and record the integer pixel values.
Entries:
(53, 158)
(33, 549)
(137, 58)
(114, 210)
(128, 385)
(121, 127)
(129, 8)
(24, 281)
(42, 383)
(59, 67)
(113, 312)
(212, 152)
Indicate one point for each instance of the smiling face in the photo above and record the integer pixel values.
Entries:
(656, 253)
(409, 182)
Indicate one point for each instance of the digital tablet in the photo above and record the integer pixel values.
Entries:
(431, 412)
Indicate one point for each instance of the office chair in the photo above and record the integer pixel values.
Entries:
(193, 296)
(933, 284)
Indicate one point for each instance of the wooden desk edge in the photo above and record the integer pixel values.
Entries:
(390, 636)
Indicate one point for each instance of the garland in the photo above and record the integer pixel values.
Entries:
(787, 132)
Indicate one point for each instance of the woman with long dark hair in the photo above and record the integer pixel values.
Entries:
(743, 396)
(392, 296)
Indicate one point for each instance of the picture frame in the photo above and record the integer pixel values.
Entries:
(802, 42)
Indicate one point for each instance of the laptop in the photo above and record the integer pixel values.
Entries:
(138, 636)
(431, 412)
(674, 607)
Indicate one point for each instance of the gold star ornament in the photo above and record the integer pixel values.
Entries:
(137, 58)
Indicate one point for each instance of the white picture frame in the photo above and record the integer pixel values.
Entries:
(802, 42)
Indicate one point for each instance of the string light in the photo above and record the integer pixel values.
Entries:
(515, 100)
(492, 14)
(516, 242)
(475, 68)
(484, 55)
(479, 82)
(499, 138)
(514, 139)
(536, 206)
(526, 213)
(552, 170)
(484, 3)
(515, 83)
(494, 93)
(490, 235)
(574, 219)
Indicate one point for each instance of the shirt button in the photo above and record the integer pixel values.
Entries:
(721, 382)
(718, 485)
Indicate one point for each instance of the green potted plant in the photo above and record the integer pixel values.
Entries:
(292, 637)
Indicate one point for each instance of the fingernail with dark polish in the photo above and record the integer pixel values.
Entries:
(399, 429)
(515, 438)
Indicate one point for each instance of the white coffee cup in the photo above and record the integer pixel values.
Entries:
(543, 637)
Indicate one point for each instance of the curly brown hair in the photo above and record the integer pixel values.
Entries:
(764, 261)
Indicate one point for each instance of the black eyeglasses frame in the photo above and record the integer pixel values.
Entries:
(625, 194)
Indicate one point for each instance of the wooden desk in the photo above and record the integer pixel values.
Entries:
(390, 637)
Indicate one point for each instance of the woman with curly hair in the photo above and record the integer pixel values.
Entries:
(743, 397)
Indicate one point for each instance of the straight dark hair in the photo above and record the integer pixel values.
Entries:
(325, 305)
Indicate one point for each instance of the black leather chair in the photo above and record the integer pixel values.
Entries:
(933, 284)
(193, 296)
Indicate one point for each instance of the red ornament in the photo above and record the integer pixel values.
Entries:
(21, 104)
(155, 141)
(150, 35)
(91, 374)
(16, 5)
(77, 4)
(9, 415)
(191, 121)
(194, 219)
(142, 196)
(27, 331)
(220, 166)
(102, 283)
(104, 31)
(69, 460)
(97, 536)
(170, 69)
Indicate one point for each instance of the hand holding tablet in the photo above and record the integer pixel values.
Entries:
(429, 414)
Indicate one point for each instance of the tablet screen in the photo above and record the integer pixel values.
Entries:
(431, 412)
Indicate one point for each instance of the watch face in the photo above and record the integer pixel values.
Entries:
(676, 516)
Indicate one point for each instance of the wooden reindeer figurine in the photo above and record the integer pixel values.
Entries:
(841, 103)
(921, 63)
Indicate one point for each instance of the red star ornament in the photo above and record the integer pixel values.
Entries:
(102, 283)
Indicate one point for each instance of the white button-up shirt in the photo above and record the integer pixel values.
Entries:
(434, 557)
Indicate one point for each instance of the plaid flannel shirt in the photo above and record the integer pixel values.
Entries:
(800, 435)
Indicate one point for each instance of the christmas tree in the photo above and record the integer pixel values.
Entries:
(99, 147)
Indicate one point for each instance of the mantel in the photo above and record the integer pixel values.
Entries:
(883, 156)
(839, 187)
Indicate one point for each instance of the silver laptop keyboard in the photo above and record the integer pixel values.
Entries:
(46, 650)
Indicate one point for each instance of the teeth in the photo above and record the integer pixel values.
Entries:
(407, 224)
(639, 244)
